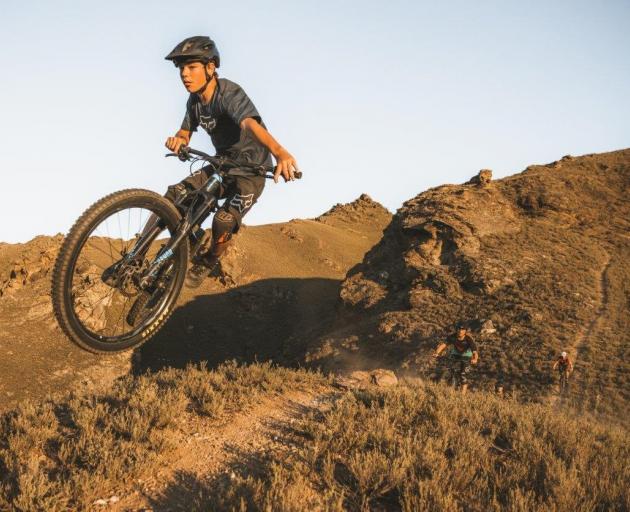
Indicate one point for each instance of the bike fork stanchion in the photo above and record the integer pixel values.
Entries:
(143, 243)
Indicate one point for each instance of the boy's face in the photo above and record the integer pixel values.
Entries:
(193, 74)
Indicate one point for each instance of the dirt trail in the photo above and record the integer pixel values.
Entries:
(208, 453)
(584, 336)
(602, 303)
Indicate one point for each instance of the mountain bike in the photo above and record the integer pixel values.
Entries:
(564, 382)
(122, 265)
(454, 368)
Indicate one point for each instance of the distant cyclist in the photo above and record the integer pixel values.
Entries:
(462, 354)
(564, 366)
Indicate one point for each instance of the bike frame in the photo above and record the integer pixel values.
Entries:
(203, 203)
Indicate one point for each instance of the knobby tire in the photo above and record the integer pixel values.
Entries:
(62, 276)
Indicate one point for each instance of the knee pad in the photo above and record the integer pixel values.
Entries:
(223, 225)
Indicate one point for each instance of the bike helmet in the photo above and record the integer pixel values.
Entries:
(564, 355)
(197, 48)
(460, 325)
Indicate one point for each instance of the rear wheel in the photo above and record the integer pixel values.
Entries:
(103, 296)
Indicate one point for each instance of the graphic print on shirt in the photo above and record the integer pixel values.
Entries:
(207, 122)
(241, 203)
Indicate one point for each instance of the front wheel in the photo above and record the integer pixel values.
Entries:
(108, 296)
(564, 383)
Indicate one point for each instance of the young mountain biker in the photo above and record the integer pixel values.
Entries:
(564, 365)
(463, 353)
(226, 113)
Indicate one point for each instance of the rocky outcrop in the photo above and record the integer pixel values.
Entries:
(28, 263)
(482, 178)
(516, 258)
(361, 209)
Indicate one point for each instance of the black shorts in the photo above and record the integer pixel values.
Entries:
(240, 192)
(459, 368)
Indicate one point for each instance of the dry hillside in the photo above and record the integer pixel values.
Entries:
(281, 282)
(536, 263)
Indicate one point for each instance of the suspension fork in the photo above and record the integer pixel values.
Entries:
(147, 236)
(210, 193)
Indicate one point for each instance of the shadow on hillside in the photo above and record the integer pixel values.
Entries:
(270, 319)
(188, 491)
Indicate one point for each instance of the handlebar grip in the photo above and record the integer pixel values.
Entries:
(183, 153)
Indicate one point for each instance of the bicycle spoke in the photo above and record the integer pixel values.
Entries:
(97, 248)
(122, 242)
(122, 315)
(128, 234)
(109, 294)
(102, 314)
(109, 238)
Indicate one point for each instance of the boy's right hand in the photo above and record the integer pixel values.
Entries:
(174, 143)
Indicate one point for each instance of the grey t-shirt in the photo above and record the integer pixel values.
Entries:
(222, 117)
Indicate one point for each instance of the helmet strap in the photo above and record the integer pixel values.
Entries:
(205, 86)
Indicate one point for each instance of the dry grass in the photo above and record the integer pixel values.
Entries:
(420, 447)
(428, 449)
(61, 455)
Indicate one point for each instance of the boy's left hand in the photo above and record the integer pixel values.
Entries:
(286, 166)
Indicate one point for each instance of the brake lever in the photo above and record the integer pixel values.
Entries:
(183, 155)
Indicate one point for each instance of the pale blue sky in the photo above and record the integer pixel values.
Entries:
(388, 98)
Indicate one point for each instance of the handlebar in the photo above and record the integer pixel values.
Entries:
(186, 152)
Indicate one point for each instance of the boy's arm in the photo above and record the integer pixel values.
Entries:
(286, 164)
(181, 138)
(439, 350)
(475, 353)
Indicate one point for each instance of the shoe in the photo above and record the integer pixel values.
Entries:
(202, 246)
(202, 267)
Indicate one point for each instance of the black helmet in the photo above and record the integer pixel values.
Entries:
(200, 48)
(460, 325)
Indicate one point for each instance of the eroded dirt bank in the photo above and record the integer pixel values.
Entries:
(281, 281)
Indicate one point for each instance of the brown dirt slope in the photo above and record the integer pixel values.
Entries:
(542, 254)
(281, 282)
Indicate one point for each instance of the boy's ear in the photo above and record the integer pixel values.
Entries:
(210, 67)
